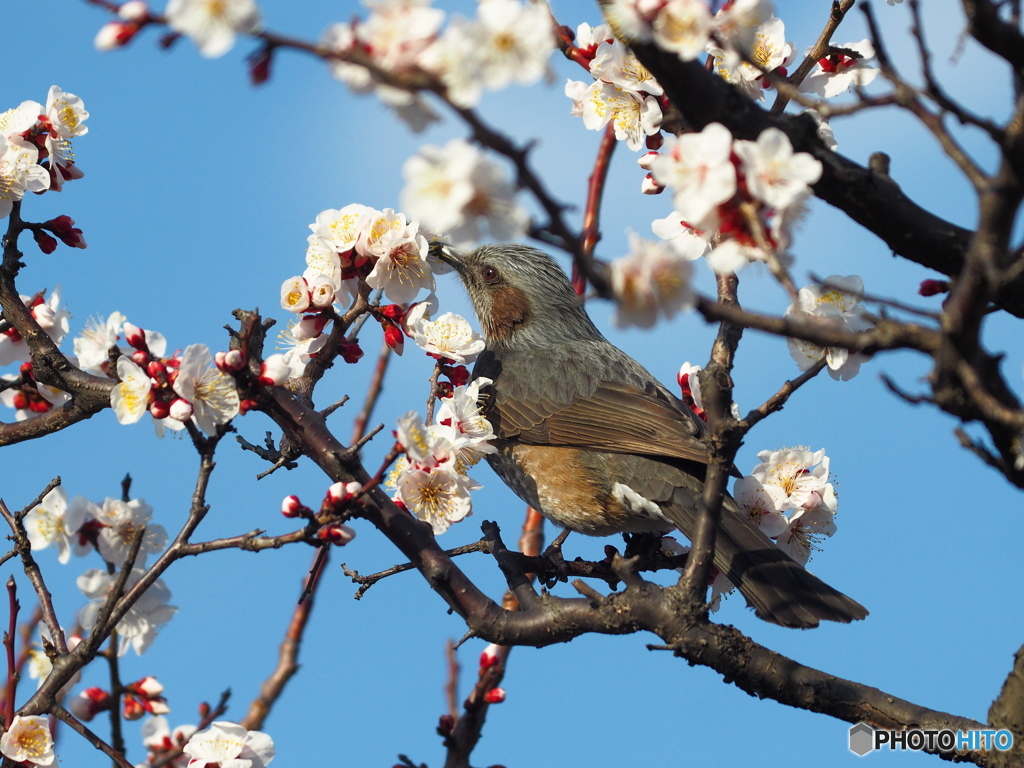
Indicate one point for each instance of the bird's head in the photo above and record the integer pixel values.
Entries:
(520, 295)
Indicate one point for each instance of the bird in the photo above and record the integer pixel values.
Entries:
(589, 438)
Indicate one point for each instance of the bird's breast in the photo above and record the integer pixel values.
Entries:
(576, 489)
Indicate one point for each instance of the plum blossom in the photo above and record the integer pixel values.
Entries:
(229, 745)
(213, 24)
(299, 342)
(762, 504)
(802, 475)
(738, 23)
(439, 497)
(682, 26)
(429, 480)
(129, 397)
(652, 280)
(20, 172)
(158, 737)
(401, 271)
(698, 169)
(27, 740)
(624, 93)
(295, 296)
(803, 531)
(48, 313)
(509, 41)
(340, 228)
(838, 72)
(776, 175)
(454, 188)
(450, 336)
(66, 113)
(92, 347)
(463, 411)
(211, 392)
(121, 520)
(55, 521)
(834, 304)
(138, 628)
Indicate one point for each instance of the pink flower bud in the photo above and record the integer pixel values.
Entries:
(46, 243)
(394, 337)
(655, 141)
(64, 228)
(275, 371)
(89, 703)
(933, 287)
(148, 686)
(181, 409)
(339, 493)
(646, 160)
(135, 336)
(336, 534)
(292, 507)
(650, 187)
(350, 351)
(140, 358)
(156, 369)
(159, 409)
(259, 65)
(489, 657)
(133, 10)
(393, 312)
(132, 709)
(495, 696)
(230, 361)
(114, 34)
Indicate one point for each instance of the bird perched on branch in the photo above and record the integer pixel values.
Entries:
(589, 438)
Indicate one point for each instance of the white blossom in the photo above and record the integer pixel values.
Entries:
(211, 392)
(138, 628)
(228, 745)
(213, 24)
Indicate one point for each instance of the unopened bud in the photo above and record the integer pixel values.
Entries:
(46, 243)
(650, 187)
(114, 34)
(933, 287)
(148, 686)
(159, 409)
(393, 312)
(309, 327)
(135, 336)
(292, 507)
(275, 371)
(259, 65)
(20, 401)
(339, 493)
(336, 534)
(646, 160)
(247, 405)
(132, 708)
(445, 725)
(394, 337)
(350, 351)
(489, 657)
(181, 409)
(156, 369)
(140, 358)
(133, 10)
(230, 361)
(495, 696)
(25, 369)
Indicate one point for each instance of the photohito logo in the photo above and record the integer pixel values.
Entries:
(865, 739)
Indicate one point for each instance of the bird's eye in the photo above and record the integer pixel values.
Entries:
(489, 274)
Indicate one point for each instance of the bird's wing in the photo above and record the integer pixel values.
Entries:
(596, 410)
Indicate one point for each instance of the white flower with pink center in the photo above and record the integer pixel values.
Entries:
(698, 169)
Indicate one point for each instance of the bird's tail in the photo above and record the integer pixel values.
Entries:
(779, 589)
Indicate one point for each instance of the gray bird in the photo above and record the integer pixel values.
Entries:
(590, 439)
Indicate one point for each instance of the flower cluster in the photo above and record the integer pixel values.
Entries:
(455, 188)
(182, 388)
(79, 526)
(834, 304)
(159, 740)
(229, 744)
(789, 497)
(748, 193)
(623, 93)
(339, 497)
(508, 41)
(35, 147)
(431, 480)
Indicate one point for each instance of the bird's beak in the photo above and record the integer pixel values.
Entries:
(447, 255)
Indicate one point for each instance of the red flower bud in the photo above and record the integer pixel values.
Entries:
(933, 287)
(445, 725)
(495, 696)
(259, 65)
(46, 243)
(350, 351)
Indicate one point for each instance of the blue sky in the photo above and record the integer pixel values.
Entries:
(197, 196)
